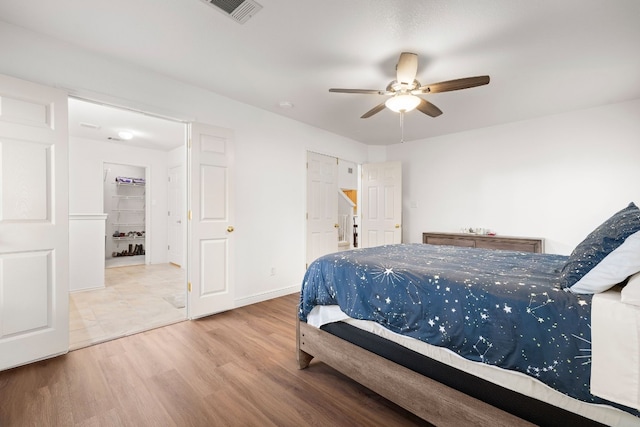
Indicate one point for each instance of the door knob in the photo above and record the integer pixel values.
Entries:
(336, 225)
(397, 225)
(230, 229)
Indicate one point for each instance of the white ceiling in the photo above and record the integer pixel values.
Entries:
(544, 56)
(88, 120)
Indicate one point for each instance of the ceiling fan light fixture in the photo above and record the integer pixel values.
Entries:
(404, 102)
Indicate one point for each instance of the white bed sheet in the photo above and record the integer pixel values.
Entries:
(512, 380)
(615, 344)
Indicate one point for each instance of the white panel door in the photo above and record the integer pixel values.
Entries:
(34, 223)
(381, 204)
(210, 246)
(322, 205)
(176, 213)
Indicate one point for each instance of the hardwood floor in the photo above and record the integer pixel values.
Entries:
(236, 368)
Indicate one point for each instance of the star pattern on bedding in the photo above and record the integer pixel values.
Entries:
(494, 307)
(482, 346)
(534, 304)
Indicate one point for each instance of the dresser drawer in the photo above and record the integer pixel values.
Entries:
(468, 243)
(506, 245)
(518, 244)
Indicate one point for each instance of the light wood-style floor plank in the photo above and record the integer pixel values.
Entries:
(236, 368)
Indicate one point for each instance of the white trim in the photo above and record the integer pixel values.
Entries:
(126, 104)
(93, 288)
(89, 216)
(267, 296)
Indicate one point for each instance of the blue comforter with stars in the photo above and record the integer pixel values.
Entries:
(496, 307)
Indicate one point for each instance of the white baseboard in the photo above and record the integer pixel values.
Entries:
(90, 288)
(267, 295)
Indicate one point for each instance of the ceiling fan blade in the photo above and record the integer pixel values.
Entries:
(363, 91)
(407, 68)
(428, 108)
(373, 111)
(457, 84)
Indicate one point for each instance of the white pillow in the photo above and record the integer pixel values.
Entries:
(630, 294)
(613, 269)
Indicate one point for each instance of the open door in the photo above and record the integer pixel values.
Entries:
(322, 205)
(381, 219)
(34, 223)
(210, 222)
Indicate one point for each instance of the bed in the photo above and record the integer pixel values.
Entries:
(463, 336)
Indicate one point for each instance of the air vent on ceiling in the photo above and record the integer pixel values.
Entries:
(238, 10)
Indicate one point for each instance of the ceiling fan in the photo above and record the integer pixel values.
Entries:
(404, 90)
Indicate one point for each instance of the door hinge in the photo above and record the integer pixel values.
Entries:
(189, 286)
(189, 142)
(189, 215)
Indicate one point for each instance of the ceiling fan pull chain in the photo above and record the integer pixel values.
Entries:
(401, 126)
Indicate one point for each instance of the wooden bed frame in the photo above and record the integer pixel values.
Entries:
(428, 399)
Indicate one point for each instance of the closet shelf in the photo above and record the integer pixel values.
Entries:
(129, 184)
(127, 218)
(121, 196)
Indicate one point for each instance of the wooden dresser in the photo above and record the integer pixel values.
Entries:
(522, 244)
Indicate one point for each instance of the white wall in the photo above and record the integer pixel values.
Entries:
(270, 155)
(347, 175)
(86, 162)
(556, 177)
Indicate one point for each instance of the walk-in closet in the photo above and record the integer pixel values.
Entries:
(125, 206)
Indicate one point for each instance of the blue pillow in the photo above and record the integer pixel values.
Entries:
(607, 256)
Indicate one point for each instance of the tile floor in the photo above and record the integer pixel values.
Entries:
(134, 299)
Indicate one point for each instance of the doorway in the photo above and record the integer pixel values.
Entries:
(332, 205)
(119, 167)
